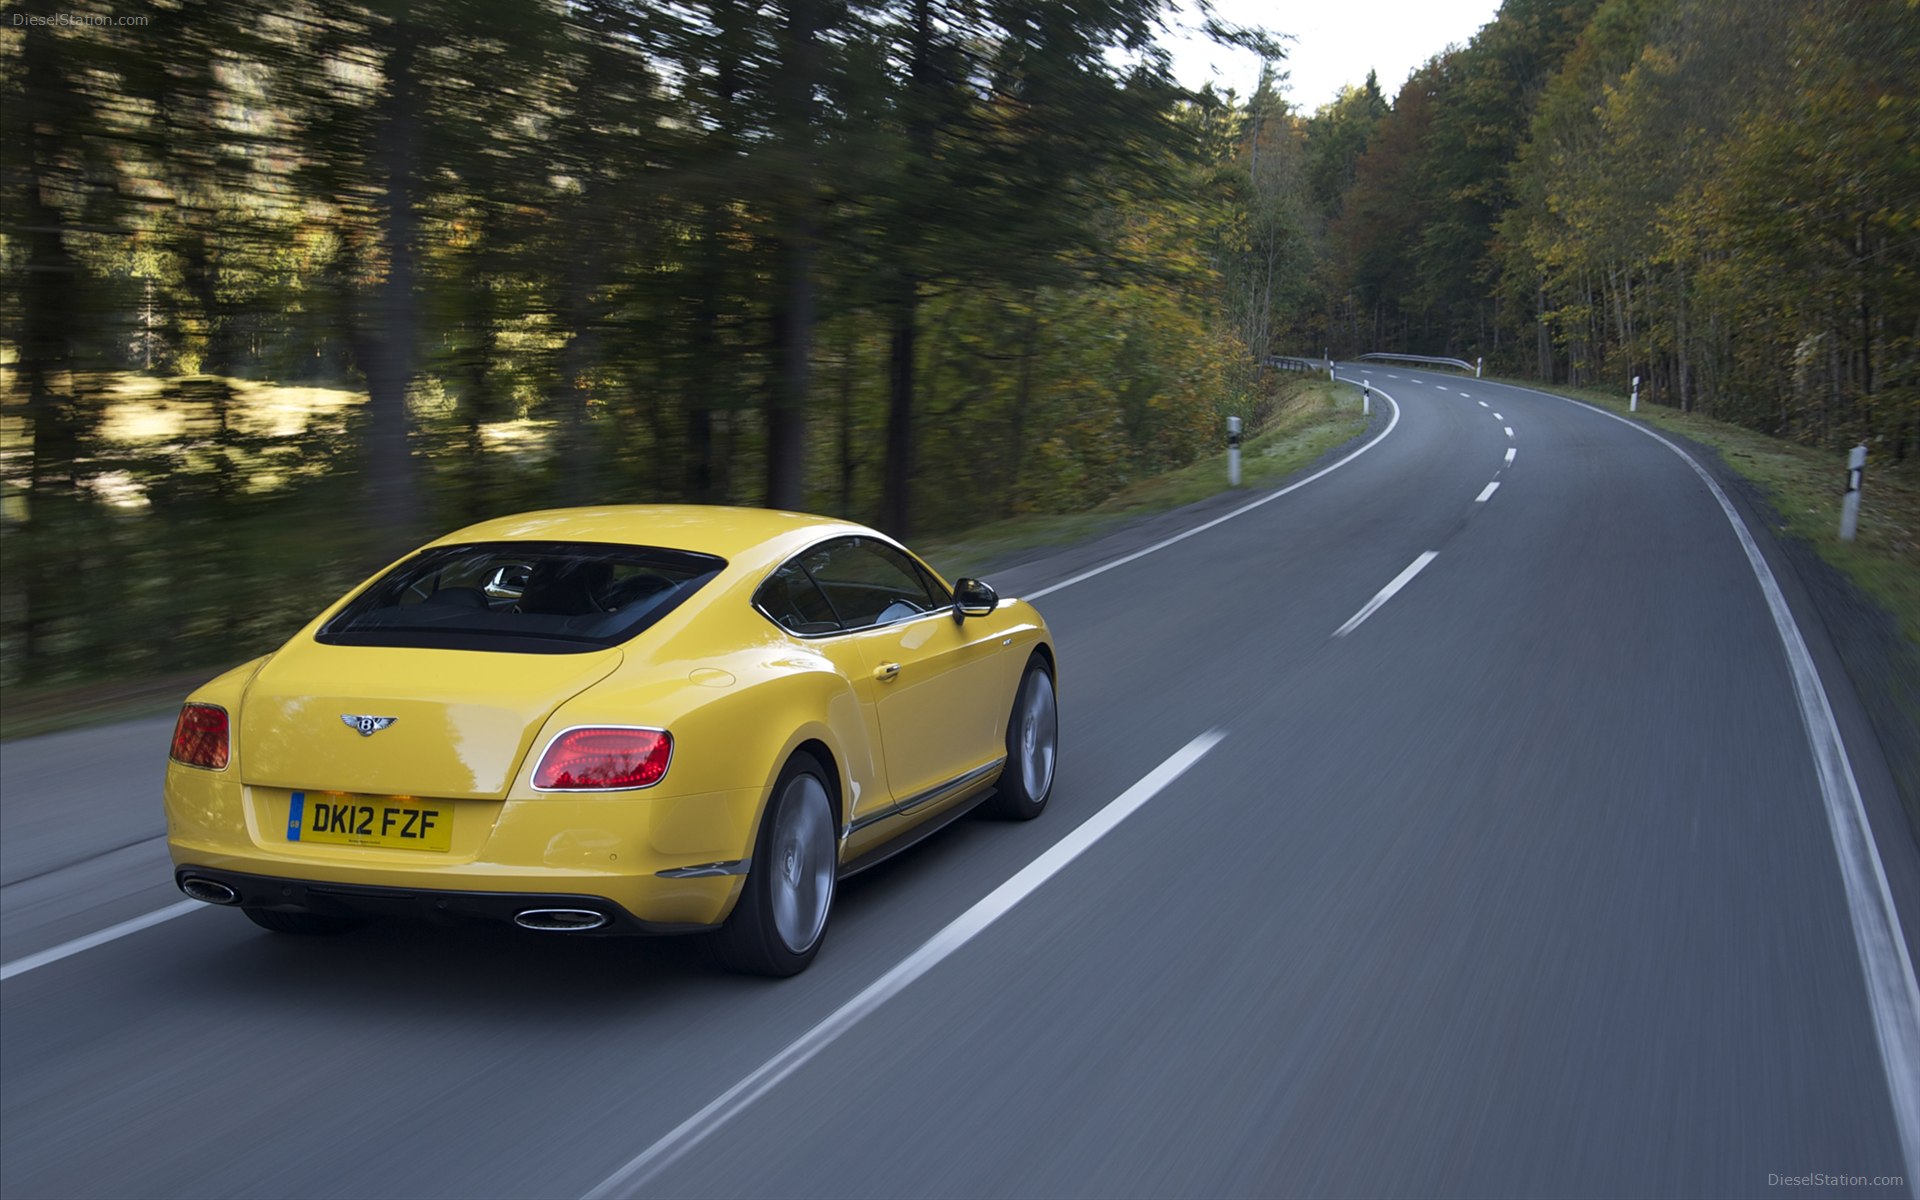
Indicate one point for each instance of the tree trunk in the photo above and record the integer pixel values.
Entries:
(897, 483)
(849, 463)
(47, 315)
(393, 490)
(1022, 401)
(793, 323)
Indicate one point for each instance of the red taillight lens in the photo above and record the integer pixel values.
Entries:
(200, 736)
(604, 760)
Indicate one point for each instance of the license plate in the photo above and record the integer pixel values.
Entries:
(387, 821)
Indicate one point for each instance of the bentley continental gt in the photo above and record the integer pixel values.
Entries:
(643, 720)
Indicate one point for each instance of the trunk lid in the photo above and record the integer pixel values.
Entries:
(462, 720)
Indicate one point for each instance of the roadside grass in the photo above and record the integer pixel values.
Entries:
(1804, 485)
(1315, 416)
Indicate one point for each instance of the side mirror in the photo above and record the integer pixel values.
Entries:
(971, 598)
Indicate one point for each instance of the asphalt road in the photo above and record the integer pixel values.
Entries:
(1524, 885)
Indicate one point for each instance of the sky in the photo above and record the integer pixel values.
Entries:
(1337, 41)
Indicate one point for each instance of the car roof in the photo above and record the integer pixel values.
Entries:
(743, 535)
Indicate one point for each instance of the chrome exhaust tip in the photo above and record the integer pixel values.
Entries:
(208, 891)
(560, 920)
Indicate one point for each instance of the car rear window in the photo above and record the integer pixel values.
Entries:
(524, 597)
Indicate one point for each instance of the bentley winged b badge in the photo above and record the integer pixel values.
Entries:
(368, 726)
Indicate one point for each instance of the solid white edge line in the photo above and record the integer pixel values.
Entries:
(1489, 490)
(1892, 991)
(1386, 593)
(21, 966)
(1510, 453)
(648, 1164)
(1124, 559)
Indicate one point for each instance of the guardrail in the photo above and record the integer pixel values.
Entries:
(1285, 363)
(1421, 358)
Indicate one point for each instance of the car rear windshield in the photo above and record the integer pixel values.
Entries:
(523, 597)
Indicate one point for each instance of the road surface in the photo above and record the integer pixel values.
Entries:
(1521, 881)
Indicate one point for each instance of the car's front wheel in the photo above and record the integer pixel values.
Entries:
(1033, 747)
(781, 917)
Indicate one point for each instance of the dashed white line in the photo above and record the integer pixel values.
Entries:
(1489, 490)
(1481, 403)
(1386, 593)
(1509, 429)
(1498, 417)
(1510, 453)
(21, 966)
(649, 1163)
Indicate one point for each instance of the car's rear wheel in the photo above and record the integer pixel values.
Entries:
(306, 924)
(1033, 747)
(781, 917)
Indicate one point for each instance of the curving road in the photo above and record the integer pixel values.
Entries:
(1522, 880)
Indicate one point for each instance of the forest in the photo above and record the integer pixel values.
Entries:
(285, 288)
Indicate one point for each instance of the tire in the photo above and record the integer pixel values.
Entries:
(304, 924)
(1033, 748)
(781, 918)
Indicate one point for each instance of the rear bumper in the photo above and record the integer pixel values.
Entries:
(443, 905)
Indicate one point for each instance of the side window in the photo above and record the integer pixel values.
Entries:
(794, 601)
(869, 582)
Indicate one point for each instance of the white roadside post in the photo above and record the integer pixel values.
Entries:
(1850, 503)
(1633, 404)
(1233, 451)
(1477, 364)
(1366, 398)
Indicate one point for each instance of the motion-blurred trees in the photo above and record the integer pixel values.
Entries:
(814, 253)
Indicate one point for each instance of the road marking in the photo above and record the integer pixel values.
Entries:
(1509, 429)
(646, 1166)
(1482, 403)
(20, 966)
(1489, 490)
(1498, 417)
(1386, 593)
(1510, 453)
(1392, 376)
(1893, 995)
(1464, 396)
(1124, 559)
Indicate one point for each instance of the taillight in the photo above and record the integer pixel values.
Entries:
(599, 759)
(200, 736)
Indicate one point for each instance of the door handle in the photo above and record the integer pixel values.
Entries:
(886, 672)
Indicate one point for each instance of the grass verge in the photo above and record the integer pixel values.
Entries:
(1315, 416)
(1804, 485)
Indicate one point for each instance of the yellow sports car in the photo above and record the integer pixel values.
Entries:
(619, 720)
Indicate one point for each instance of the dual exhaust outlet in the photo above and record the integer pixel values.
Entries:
(544, 920)
(560, 920)
(208, 891)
